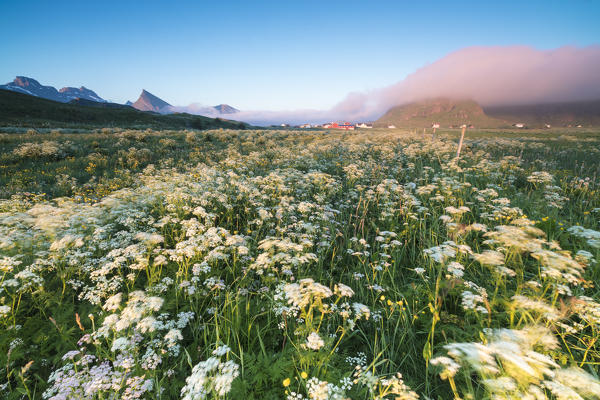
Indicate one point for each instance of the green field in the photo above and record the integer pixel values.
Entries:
(268, 264)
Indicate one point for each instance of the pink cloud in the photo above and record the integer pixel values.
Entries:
(492, 76)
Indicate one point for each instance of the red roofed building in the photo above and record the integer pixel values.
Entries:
(342, 125)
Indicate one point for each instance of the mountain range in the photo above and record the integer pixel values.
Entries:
(30, 86)
(146, 102)
(24, 110)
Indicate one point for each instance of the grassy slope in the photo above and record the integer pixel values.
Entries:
(442, 111)
(17, 109)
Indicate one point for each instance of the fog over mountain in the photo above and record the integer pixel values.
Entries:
(492, 76)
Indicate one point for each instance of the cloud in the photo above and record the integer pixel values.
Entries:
(491, 76)
(295, 117)
(194, 108)
(496, 75)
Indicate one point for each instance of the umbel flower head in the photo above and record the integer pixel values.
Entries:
(212, 376)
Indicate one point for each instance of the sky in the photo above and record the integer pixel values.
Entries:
(261, 55)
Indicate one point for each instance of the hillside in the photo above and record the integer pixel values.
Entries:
(17, 109)
(447, 112)
(584, 113)
(441, 111)
(91, 103)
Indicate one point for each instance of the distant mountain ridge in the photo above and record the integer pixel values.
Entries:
(453, 113)
(30, 86)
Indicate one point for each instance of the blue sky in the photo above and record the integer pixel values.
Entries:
(275, 55)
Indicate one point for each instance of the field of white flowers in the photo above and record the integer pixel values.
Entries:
(310, 265)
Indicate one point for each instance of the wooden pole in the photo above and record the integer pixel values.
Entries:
(462, 136)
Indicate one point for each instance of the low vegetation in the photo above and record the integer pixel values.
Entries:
(299, 265)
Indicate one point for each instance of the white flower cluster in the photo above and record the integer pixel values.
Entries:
(211, 377)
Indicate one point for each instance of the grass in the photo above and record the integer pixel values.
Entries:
(271, 264)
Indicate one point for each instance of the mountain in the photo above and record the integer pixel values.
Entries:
(23, 110)
(443, 111)
(448, 112)
(82, 93)
(226, 109)
(30, 86)
(149, 102)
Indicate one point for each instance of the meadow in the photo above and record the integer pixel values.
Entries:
(285, 264)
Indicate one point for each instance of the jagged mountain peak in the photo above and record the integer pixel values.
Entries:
(149, 102)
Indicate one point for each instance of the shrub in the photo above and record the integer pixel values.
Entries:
(50, 149)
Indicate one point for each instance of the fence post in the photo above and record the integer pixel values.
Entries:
(462, 136)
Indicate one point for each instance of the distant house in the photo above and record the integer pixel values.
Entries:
(548, 126)
(347, 126)
(285, 125)
(435, 125)
(306, 126)
(364, 125)
(391, 126)
(519, 125)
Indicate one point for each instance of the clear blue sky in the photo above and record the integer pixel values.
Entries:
(275, 55)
